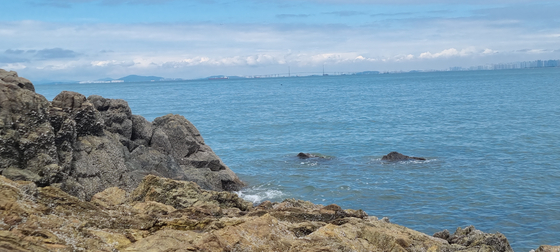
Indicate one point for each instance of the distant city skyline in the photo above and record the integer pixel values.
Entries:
(94, 39)
(511, 65)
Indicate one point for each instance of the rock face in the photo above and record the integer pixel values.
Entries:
(395, 156)
(86, 145)
(167, 215)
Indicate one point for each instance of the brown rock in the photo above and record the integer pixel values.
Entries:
(183, 194)
(110, 197)
(547, 248)
(48, 219)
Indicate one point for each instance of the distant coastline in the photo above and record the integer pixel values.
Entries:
(488, 67)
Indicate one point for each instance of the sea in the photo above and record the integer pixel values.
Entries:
(491, 140)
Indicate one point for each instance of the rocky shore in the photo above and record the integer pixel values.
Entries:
(86, 145)
(85, 174)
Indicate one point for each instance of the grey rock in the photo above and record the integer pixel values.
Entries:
(11, 77)
(115, 113)
(304, 155)
(27, 140)
(395, 156)
(84, 146)
(442, 234)
(476, 240)
(141, 129)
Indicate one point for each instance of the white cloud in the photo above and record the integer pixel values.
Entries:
(93, 50)
(14, 67)
(451, 52)
(489, 51)
(106, 63)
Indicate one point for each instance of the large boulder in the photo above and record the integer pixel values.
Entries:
(85, 145)
(12, 78)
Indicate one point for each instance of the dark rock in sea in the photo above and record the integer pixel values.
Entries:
(85, 146)
(395, 156)
(304, 155)
(309, 155)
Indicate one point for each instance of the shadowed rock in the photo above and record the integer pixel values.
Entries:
(302, 155)
(395, 156)
(84, 146)
(476, 240)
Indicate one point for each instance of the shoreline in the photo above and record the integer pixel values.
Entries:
(77, 119)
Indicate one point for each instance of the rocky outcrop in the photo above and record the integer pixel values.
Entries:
(86, 145)
(476, 238)
(395, 156)
(12, 78)
(547, 248)
(166, 215)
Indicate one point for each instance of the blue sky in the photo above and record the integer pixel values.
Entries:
(93, 39)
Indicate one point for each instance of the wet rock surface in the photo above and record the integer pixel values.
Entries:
(395, 156)
(86, 145)
(167, 215)
(303, 155)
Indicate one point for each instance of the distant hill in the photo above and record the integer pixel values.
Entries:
(138, 78)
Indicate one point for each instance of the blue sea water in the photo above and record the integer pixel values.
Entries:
(491, 139)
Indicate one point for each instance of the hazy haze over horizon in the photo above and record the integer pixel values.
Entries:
(93, 39)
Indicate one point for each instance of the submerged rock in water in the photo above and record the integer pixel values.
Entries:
(395, 156)
(168, 215)
(86, 145)
(303, 155)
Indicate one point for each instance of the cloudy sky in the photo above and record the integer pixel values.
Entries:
(93, 39)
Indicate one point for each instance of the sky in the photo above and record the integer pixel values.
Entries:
(80, 40)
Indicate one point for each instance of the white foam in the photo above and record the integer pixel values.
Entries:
(258, 195)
